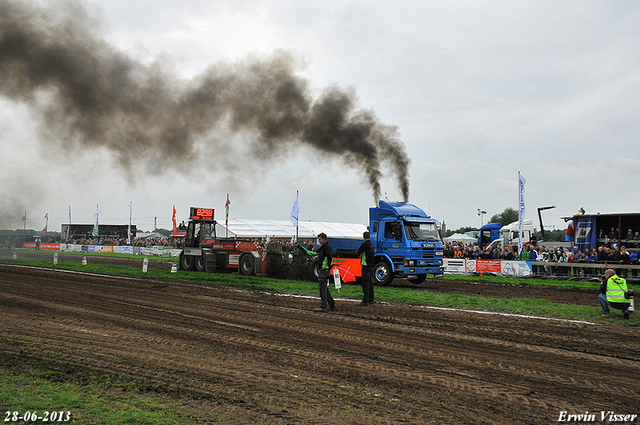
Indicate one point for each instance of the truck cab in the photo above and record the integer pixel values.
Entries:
(407, 243)
(488, 233)
(508, 235)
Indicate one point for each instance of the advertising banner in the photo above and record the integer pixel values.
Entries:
(489, 266)
(516, 268)
(50, 246)
(123, 249)
(69, 247)
(505, 268)
(455, 265)
(585, 233)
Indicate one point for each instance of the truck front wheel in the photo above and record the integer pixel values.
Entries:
(417, 279)
(382, 274)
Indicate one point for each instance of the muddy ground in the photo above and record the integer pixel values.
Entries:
(255, 357)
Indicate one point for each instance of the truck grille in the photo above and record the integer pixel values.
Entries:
(427, 254)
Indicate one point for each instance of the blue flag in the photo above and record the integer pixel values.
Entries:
(295, 211)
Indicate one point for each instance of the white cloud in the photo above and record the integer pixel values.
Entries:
(479, 90)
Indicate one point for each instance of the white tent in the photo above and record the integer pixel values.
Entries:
(284, 228)
(458, 237)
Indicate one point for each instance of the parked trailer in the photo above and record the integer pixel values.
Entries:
(607, 229)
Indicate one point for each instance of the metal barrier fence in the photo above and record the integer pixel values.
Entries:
(587, 270)
(515, 268)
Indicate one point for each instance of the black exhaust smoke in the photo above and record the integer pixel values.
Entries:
(90, 94)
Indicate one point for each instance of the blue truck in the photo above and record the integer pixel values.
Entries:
(495, 235)
(407, 245)
(488, 233)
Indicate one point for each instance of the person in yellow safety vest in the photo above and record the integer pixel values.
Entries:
(612, 294)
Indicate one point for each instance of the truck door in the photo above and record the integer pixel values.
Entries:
(391, 237)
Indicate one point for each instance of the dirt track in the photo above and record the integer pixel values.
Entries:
(254, 357)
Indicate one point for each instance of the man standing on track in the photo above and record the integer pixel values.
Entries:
(366, 252)
(325, 253)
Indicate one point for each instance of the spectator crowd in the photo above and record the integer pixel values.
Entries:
(170, 242)
(603, 254)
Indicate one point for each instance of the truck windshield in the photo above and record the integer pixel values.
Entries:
(421, 231)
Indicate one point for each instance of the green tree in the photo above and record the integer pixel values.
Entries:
(461, 230)
(508, 216)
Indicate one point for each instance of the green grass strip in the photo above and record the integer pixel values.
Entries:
(97, 400)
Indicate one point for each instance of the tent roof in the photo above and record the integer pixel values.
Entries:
(457, 237)
(144, 235)
(284, 228)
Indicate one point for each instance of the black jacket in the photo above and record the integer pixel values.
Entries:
(325, 253)
(367, 249)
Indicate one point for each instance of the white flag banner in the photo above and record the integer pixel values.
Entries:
(521, 209)
(295, 211)
(129, 228)
(96, 215)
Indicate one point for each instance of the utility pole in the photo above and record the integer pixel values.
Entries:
(481, 213)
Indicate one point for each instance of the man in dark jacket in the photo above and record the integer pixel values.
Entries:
(325, 255)
(366, 252)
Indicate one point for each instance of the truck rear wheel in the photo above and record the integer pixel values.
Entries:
(382, 274)
(247, 264)
(186, 262)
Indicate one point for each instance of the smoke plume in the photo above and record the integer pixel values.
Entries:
(90, 94)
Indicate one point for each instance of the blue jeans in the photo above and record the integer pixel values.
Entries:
(604, 303)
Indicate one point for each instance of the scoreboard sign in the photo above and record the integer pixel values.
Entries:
(204, 214)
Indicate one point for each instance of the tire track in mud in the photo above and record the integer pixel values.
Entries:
(525, 374)
(405, 355)
(447, 378)
(399, 376)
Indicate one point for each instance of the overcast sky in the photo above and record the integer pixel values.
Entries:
(478, 90)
